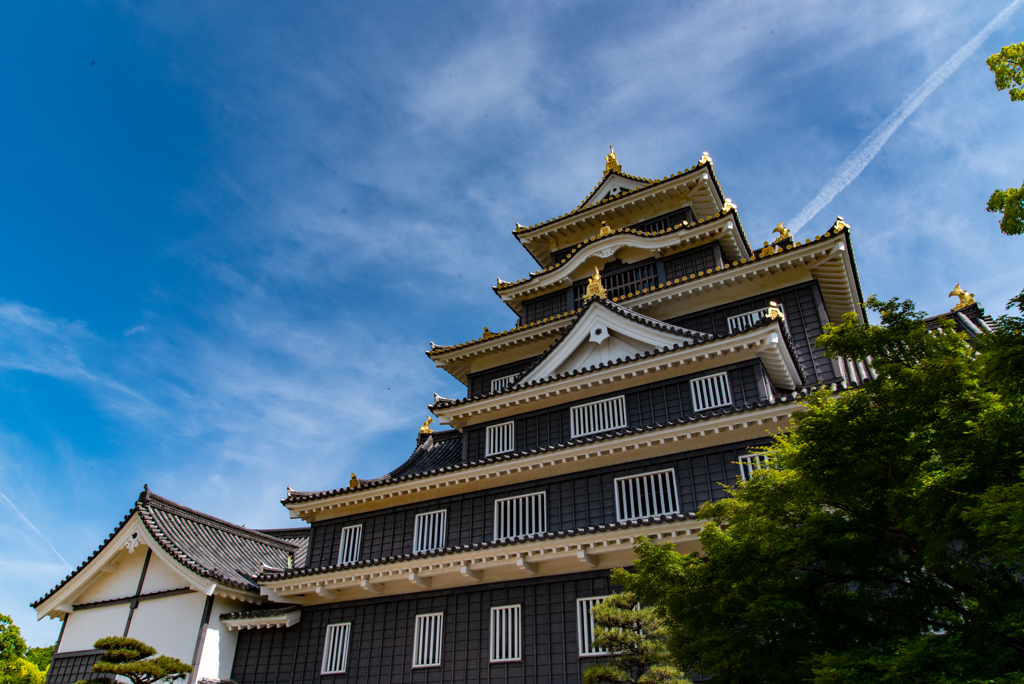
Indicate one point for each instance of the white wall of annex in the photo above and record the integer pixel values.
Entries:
(119, 584)
(84, 627)
(160, 577)
(219, 647)
(170, 624)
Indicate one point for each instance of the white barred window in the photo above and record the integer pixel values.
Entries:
(501, 438)
(746, 320)
(520, 516)
(336, 649)
(585, 626)
(598, 416)
(501, 383)
(751, 462)
(351, 544)
(426, 643)
(430, 531)
(506, 634)
(711, 391)
(646, 496)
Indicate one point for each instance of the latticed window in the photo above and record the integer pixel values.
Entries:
(351, 543)
(647, 495)
(690, 262)
(710, 392)
(498, 384)
(585, 626)
(506, 634)
(622, 283)
(426, 643)
(430, 531)
(750, 462)
(746, 320)
(501, 438)
(598, 416)
(336, 648)
(520, 516)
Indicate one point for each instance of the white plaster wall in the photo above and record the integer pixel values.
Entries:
(219, 647)
(160, 577)
(84, 627)
(120, 584)
(170, 624)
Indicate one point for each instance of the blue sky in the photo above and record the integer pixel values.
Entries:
(231, 229)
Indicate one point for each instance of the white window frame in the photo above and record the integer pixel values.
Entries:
(498, 384)
(637, 493)
(430, 531)
(746, 320)
(509, 619)
(500, 439)
(351, 539)
(706, 380)
(332, 657)
(506, 506)
(429, 627)
(748, 463)
(598, 416)
(585, 626)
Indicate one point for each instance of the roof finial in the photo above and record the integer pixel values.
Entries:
(775, 311)
(354, 482)
(487, 334)
(595, 288)
(966, 298)
(611, 162)
(783, 232)
(728, 204)
(606, 230)
(839, 225)
(704, 159)
(425, 428)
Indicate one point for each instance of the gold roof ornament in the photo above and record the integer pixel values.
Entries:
(783, 232)
(729, 205)
(594, 286)
(487, 334)
(966, 298)
(767, 251)
(775, 311)
(605, 230)
(839, 225)
(354, 482)
(704, 159)
(425, 428)
(611, 162)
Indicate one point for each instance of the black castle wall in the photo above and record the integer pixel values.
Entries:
(573, 501)
(380, 650)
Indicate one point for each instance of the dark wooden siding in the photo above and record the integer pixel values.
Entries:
(647, 405)
(690, 262)
(72, 667)
(480, 383)
(380, 649)
(805, 316)
(578, 500)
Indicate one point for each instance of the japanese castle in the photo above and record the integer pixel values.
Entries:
(654, 348)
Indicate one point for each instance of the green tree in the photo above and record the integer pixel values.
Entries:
(135, 661)
(40, 656)
(636, 638)
(1008, 67)
(14, 668)
(884, 542)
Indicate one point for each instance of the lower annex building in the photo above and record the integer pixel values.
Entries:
(654, 347)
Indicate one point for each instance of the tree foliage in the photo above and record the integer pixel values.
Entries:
(14, 668)
(636, 638)
(1008, 67)
(884, 543)
(136, 661)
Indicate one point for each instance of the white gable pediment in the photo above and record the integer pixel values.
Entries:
(612, 185)
(602, 335)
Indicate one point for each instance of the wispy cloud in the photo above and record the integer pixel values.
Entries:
(32, 527)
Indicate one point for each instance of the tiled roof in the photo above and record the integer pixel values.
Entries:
(260, 613)
(209, 547)
(618, 231)
(295, 535)
(973, 313)
(649, 183)
(561, 534)
(436, 350)
(301, 497)
(437, 450)
(699, 338)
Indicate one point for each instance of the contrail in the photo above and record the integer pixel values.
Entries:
(867, 150)
(34, 529)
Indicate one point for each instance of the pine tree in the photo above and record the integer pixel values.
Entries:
(133, 660)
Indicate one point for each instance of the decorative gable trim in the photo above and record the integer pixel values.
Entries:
(613, 184)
